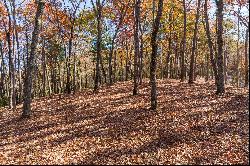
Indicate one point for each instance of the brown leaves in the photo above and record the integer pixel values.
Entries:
(191, 126)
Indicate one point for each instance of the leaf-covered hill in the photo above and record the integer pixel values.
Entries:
(191, 126)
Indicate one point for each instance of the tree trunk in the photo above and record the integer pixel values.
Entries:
(44, 69)
(207, 68)
(153, 63)
(12, 95)
(246, 59)
(126, 63)
(98, 44)
(30, 66)
(68, 84)
(225, 64)
(192, 58)
(141, 53)
(238, 52)
(18, 50)
(210, 44)
(2, 71)
(74, 75)
(183, 52)
(168, 56)
(136, 42)
(220, 86)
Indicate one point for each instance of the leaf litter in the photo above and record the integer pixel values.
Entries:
(192, 125)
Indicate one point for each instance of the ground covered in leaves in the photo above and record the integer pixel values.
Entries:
(191, 126)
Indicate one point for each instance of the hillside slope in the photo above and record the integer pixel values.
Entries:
(191, 126)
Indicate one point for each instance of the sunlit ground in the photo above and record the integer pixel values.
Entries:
(191, 126)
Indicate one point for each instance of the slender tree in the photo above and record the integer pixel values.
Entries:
(30, 66)
(124, 9)
(136, 41)
(12, 91)
(98, 10)
(210, 43)
(183, 52)
(154, 45)
(220, 81)
(192, 58)
(246, 59)
(2, 71)
(238, 56)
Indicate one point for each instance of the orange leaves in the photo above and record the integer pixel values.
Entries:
(239, 2)
(191, 126)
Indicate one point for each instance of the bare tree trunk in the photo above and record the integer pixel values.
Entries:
(225, 64)
(246, 59)
(153, 63)
(183, 52)
(68, 84)
(2, 71)
(207, 68)
(126, 63)
(99, 38)
(18, 50)
(169, 43)
(12, 95)
(30, 66)
(136, 42)
(192, 58)
(210, 44)
(238, 52)
(141, 58)
(44, 69)
(168, 56)
(220, 86)
(74, 75)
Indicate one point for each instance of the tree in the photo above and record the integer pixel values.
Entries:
(12, 91)
(122, 11)
(136, 41)
(154, 45)
(246, 59)
(220, 81)
(98, 11)
(210, 43)
(192, 58)
(183, 53)
(30, 65)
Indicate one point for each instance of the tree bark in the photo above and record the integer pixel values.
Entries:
(2, 71)
(136, 42)
(98, 44)
(183, 52)
(141, 53)
(68, 83)
(18, 51)
(225, 64)
(238, 52)
(12, 91)
(210, 44)
(30, 66)
(246, 59)
(220, 86)
(192, 58)
(153, 63)
(126, 63)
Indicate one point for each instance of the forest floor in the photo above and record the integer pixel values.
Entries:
(191, 126)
